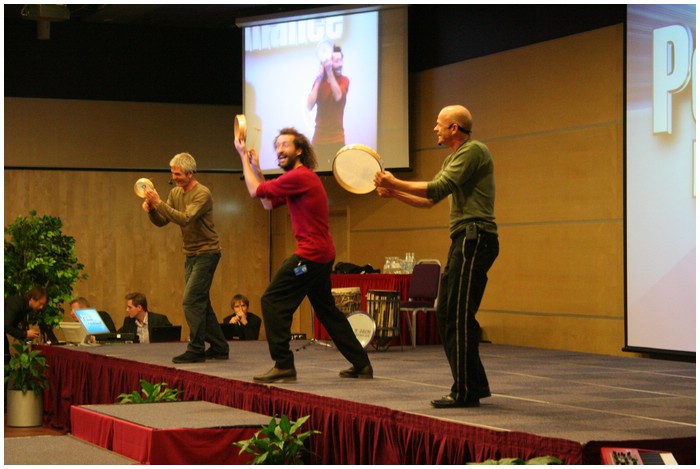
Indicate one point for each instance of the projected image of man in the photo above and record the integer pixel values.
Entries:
(329, 94)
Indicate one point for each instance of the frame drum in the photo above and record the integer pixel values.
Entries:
(354, 167)
(239, 127)
(363, 326)
(141, 186)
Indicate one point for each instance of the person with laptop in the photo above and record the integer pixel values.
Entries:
(82, 303)
(242, 324)
(139, 319)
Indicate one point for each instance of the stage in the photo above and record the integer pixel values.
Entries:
(543, 402)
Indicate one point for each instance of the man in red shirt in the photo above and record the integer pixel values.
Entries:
(307, 272)
(329, 94)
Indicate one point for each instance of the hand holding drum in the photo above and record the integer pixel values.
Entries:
(355, 167)
(141, 186)
(240, 127)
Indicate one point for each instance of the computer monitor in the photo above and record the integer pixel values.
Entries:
(73, 332)
(91, 321)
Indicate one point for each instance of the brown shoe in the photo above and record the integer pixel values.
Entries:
(362, 373)
(449, 402)
(276, 375)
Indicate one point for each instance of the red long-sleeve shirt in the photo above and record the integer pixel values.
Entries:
(303, 193)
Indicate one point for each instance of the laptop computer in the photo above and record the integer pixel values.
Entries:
(93, 325)
(165, 334)
(231, 331)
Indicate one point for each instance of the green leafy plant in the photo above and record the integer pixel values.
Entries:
(38, 254)
(150, 393)
(278, 443)
(26, 370)
(538, 461)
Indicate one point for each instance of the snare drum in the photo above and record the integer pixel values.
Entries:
(347, 299)
(363, 326)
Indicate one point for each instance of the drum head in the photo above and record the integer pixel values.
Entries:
(364, 327)
(239, 127)
(324, 51)
(354, 167)
(141, 186)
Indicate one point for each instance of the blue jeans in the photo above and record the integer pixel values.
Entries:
(204, 326)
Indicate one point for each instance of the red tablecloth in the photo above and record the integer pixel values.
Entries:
(182, 446)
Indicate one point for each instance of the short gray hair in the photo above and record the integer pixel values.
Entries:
(184, 161)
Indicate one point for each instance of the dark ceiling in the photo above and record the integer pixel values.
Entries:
(193, 53)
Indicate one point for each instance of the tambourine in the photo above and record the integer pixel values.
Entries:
(354, 167)
(240, 127)
(141, 186)
(324, 51)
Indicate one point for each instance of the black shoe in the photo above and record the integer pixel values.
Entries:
(210, 354)
(277, 375)
(363, 373)
(449, 402)
(484, 392)
(189, 357)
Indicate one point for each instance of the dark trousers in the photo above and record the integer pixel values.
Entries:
(463, 286)
(284, 295)
(200, 316)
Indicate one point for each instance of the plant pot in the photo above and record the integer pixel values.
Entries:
(25, 409)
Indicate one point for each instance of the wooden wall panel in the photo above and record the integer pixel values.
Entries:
(556, 177)
(579, 334)
(65, 133)
(575, 81)
(558, 269)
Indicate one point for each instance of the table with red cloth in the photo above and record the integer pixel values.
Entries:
(427, 332)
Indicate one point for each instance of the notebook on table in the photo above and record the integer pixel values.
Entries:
(231, 331)
(165, 334)
(93, 325)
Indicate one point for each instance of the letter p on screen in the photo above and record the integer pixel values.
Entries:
(672, 50)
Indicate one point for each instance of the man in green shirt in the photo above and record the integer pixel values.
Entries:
(190, 205)
(467, 176)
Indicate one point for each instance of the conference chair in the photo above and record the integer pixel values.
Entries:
(422, 293)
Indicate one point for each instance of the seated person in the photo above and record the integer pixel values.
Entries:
(83, 303)
(247, 324)
(139, 320)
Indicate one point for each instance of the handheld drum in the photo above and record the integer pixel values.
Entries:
(240, 127)
(354, 167)
(141, 186)
(324, 51)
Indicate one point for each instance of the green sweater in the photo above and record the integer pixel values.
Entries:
(467, 175)
(193, 211)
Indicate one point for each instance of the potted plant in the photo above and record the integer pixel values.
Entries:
(278, 443)
(37, 253)
(26, 380)
(150, 393)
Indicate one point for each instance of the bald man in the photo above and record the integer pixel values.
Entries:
(467, 176)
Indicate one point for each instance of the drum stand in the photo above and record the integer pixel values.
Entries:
(313, 340)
